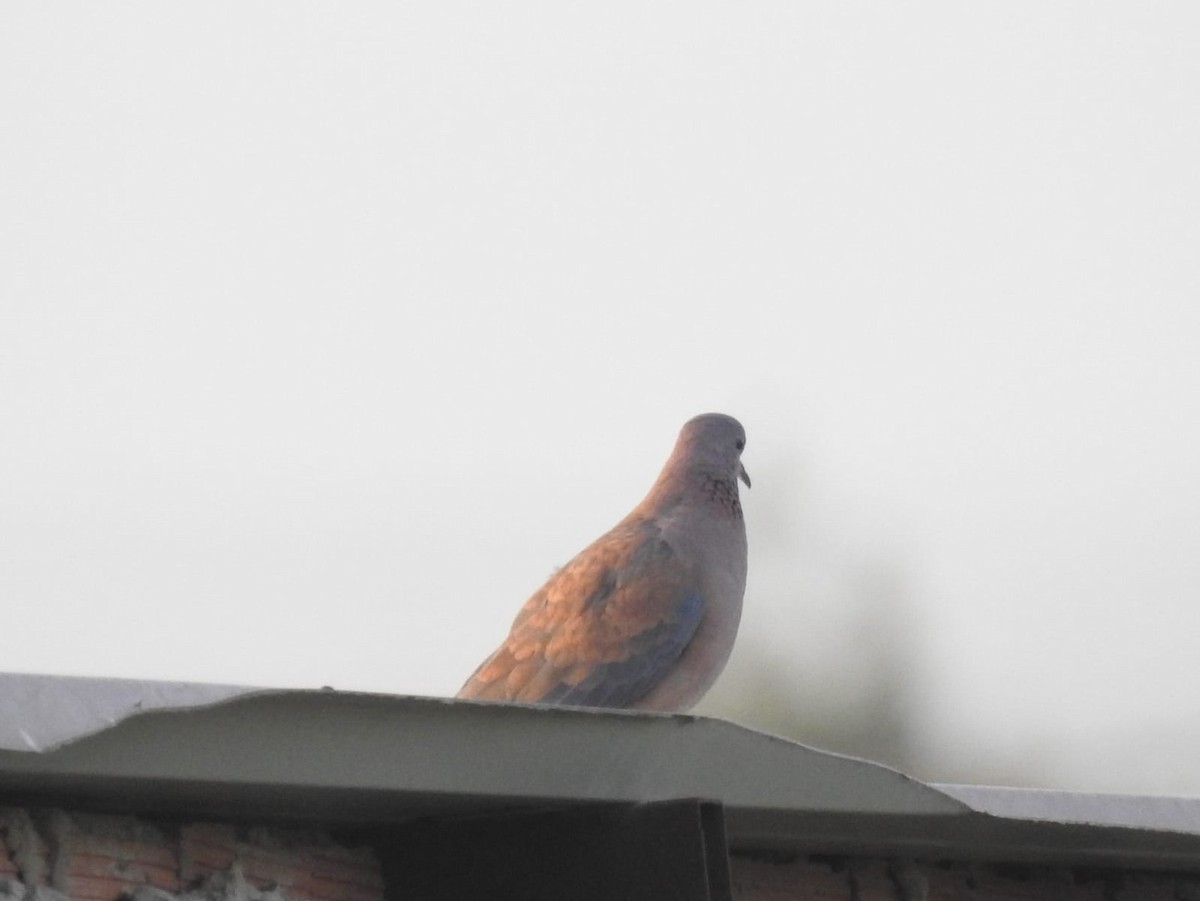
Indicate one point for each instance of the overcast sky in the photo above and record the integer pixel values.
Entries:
(328, 330)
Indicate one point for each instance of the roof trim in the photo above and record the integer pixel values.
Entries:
(362, 759)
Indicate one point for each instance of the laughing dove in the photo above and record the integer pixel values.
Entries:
(645, 616)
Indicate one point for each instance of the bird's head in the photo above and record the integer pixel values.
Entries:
(714, 442)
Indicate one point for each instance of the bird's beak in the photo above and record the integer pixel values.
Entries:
(743, 475)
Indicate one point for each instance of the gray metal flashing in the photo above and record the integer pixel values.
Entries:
(38, 712)
(370, 760)
(1169, 814)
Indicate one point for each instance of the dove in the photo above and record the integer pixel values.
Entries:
(645, 616)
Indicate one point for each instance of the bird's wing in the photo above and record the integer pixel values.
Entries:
(603, 631)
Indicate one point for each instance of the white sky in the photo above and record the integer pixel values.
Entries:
(327, 331)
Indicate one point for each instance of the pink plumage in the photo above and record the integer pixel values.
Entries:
(646, 615)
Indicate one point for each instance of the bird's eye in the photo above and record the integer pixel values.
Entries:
(741, 444)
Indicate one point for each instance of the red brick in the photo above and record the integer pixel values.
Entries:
(133, 873)
(270, 868)
(270, 857)
(154, 854)
(94, 888)
(205, 849)
(361, 869)
(209, 856)
(326, 890)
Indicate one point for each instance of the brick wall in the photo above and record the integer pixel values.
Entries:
(828, 879)
(52, 854)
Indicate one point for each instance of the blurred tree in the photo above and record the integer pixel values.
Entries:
(856, 700)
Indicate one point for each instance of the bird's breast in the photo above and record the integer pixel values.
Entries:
(714, 549)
